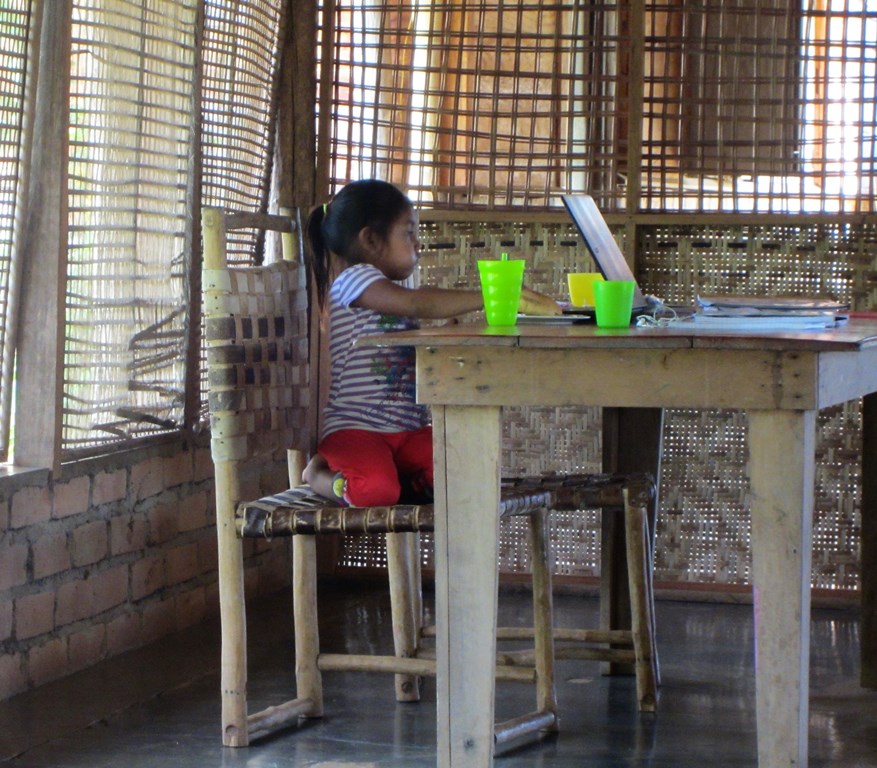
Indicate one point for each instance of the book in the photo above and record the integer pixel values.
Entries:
(749, 322)
(767, 313)
(773, 304)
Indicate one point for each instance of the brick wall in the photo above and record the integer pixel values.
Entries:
(114, 553)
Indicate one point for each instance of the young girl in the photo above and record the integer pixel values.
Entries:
(376, 445)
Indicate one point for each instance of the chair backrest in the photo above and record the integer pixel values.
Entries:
(257, 335)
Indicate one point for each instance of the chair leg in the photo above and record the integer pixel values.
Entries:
(416, 594)
(543, 615)
(642, 607)
(401, 569)
(232, 614)
(308, 680)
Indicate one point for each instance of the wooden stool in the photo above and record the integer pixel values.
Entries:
(627, 495)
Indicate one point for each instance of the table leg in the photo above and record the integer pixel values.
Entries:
(782, 458)
(467, 461)
(868, 650)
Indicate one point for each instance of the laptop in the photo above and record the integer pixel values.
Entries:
(607, 255)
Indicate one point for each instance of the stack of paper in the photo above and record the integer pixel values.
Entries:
(754, 313)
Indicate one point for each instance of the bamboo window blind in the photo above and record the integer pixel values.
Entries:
(134, 92)
(750, 105)
(240, 62)
(131, 99)
(15, 32)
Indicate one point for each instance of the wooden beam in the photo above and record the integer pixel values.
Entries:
(192, 248)
(295, 152)
(40, 377)
(327, 80)
(869, 542)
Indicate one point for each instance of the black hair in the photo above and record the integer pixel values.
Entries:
(335, 227)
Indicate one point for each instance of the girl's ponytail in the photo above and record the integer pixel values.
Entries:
(317, 255)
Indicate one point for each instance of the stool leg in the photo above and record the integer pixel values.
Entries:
(615, 608)
(642, 607)
(308, 681)
(543, 615)
(403, 604)
(650, 576)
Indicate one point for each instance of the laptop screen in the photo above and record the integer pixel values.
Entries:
(598, 237)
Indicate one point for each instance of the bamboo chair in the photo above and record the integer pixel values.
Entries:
(257, 348)
(257, 336)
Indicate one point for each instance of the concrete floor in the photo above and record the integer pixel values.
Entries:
(159, 706)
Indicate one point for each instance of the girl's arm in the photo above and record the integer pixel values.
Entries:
(535, 303)
(429, 302)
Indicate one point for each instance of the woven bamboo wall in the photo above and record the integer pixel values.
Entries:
(703, 528)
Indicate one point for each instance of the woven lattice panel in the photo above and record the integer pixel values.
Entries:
(241, 56)
(450, 251)
(678, 262)
(703, 530)
(479, 104)
(704, 527)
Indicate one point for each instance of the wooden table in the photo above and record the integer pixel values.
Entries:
(468, 372)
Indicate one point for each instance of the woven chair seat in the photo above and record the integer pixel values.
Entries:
(587, 491)
(302, 511)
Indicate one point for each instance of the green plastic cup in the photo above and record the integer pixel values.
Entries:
(613, 302)
(501, 289)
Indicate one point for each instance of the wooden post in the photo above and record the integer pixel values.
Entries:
(327, 79)
(40, 375)
(294, 173)
(192, 247)
(869, 542)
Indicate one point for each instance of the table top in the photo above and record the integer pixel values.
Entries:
(681, 366)
(856, 334)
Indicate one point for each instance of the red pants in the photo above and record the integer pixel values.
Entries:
(382, 468)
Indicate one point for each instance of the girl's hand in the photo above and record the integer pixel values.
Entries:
(534, 303)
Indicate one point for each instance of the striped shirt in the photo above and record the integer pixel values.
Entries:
(371, 388)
